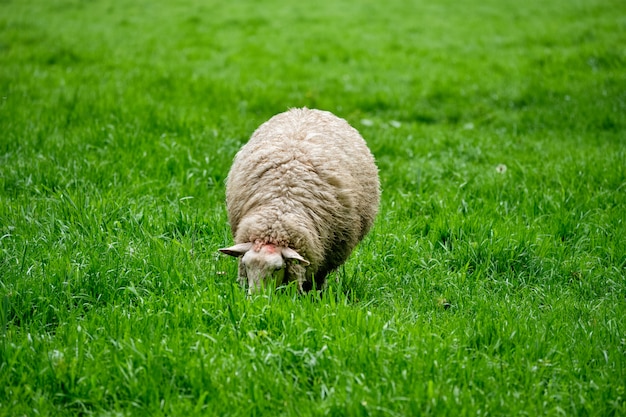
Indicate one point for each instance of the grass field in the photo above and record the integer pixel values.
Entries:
(493, 282)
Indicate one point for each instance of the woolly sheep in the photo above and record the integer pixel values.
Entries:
(300, 195)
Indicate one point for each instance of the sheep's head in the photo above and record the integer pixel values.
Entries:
(264, 264)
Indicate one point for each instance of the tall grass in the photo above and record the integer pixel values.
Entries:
(492, 283)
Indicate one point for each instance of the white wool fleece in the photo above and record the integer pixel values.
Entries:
(306, 180)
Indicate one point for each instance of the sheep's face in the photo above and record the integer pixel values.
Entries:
(264, 268)
(263, 265)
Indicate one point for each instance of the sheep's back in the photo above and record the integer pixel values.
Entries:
(313, 163)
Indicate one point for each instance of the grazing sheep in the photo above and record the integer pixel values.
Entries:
(300, 195)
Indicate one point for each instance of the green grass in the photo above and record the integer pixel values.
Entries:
(479, 291)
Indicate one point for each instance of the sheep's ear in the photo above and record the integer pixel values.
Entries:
(237, 250)
(291, 254)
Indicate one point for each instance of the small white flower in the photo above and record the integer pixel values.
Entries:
(501, 169)
(55, 356)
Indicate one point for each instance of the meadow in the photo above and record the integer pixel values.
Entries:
(493, 282)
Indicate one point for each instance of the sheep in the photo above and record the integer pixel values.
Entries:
(300, 195)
